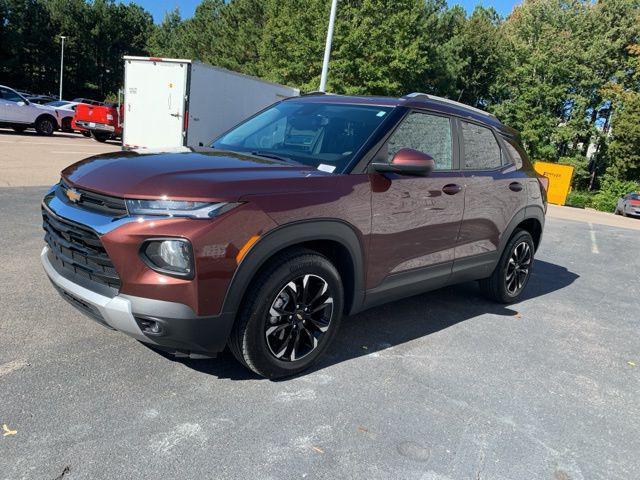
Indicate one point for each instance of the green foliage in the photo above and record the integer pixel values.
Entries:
(98, 34)
(624, 147)
(579, 198)
(562, 72)
(581, 175)
(611, 189)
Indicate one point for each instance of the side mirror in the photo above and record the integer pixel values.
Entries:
(407, 161)
(21, 104)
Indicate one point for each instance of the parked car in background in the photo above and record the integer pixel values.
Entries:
(316, 207)
(103, 122)
(19, 113)
(40, 99)
(86, 101)
(629, 205)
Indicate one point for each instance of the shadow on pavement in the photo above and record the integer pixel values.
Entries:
(402, 321)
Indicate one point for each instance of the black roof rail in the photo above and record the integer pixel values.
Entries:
(434, 98)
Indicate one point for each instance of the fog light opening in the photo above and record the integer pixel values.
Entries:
(150, 326)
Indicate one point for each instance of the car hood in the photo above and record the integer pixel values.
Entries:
(187, 173)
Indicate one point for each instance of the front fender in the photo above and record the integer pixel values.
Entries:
(289, 235)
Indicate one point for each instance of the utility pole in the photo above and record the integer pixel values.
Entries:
(327, 47)
(61, 64)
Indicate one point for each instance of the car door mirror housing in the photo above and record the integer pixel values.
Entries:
(407, 161)
(21, 104)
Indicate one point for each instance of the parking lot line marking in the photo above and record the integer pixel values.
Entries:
(11, 366)
(594, 243)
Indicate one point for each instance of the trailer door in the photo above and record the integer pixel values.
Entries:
(154, 103)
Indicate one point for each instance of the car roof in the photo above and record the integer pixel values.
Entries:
(413, 100)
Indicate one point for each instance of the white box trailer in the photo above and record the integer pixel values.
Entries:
(175, 102)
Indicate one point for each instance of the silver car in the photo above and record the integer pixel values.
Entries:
(629, 205)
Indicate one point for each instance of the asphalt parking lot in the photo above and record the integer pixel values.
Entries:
(441, 386)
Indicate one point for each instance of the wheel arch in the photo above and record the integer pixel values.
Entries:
(530, 219)
(334, 239)
(47, 115)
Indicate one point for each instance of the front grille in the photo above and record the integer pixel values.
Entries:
(78, 250)
(96, 202)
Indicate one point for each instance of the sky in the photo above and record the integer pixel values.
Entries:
(187, 7)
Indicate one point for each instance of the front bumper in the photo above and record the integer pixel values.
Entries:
(181, 331)
(634, 211)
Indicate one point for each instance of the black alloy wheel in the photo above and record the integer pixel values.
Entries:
(290, 314)
(45, 126)
(513, 271)
(518, 268)
(299, 317)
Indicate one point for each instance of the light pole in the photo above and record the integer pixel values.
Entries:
(61, 64)
(327, 47)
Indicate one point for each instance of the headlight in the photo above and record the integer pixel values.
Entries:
(172, 256)
(178, 208)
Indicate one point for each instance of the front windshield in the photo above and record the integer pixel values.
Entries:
(57, 103)
(322, 135)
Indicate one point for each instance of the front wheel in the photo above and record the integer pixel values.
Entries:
(510, 277)
(45, 126)
(291, 313)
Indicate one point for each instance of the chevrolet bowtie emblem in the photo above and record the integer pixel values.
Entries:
(73, 195)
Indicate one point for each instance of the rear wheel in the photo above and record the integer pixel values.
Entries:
(45, 126)
(101, 136)
(510, 277)
(290, 315)
(66, 125)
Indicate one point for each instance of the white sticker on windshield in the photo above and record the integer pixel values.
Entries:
(381, 113)
(326, 168)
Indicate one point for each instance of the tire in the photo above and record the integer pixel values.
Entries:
(66, 125)
(85, 133)
(511, 276)
(298, 336)
(616, 211)
(45, 126)
(19, 129)
(100, 136)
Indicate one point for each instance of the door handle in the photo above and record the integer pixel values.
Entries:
(452, 188)
(515, 186)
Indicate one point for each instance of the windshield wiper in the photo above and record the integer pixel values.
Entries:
(260, 153)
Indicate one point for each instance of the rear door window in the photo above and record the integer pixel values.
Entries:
(430, 134)
(481, 149)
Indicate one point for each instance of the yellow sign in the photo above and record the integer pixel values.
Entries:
(559, 180)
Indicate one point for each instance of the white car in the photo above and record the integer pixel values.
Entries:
(629, 205)
(19, 113)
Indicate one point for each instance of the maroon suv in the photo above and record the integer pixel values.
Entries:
(316, 207)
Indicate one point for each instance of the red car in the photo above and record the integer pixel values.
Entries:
(316, 207)
(103, 122)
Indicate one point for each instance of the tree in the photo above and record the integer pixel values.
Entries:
(480, 57)
(166, 39)
(624, 146)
